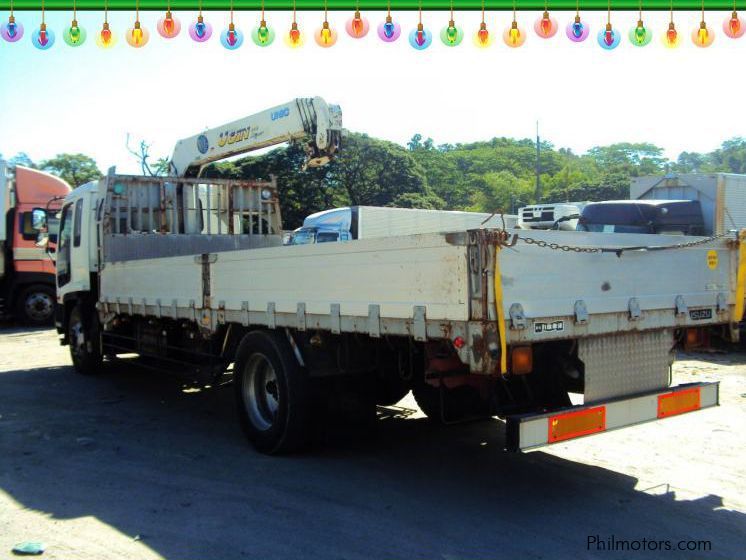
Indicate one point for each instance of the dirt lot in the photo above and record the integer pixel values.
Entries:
(133, 464)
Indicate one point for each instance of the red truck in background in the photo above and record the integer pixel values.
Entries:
(29, 202)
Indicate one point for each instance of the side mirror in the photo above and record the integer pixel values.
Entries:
(39, 219)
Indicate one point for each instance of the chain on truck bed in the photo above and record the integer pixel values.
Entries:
(501, 237)
(619, 250)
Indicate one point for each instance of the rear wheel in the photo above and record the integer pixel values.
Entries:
(85, 348)
(272, 393)
(36, 305)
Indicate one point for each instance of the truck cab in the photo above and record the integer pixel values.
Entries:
(559, 215)
(30, 203)
(324, 227)
(76, 257)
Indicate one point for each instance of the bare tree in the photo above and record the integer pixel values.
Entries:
(142, 153)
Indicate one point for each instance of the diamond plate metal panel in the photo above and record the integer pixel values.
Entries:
(625, 364)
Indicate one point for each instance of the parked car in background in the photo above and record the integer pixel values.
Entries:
(677, 217)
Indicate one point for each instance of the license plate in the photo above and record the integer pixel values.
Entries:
(700, 314)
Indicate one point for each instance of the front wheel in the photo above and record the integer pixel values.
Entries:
(85, 348)
(36, 305)
(272, 394)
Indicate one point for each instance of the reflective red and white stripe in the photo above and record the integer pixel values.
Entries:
(529, 431)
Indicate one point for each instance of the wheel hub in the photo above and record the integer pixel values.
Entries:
(261, 392)
(39, 306)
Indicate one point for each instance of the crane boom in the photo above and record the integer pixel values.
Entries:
(301, 118)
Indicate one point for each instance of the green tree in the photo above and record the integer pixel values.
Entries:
(367, 171)
(690, 162)
(428, 201)
(76, 169)
(22, 159)
(730, 157)
(375, 172)
(635, 159)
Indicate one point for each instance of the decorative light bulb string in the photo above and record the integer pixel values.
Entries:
(357, 26)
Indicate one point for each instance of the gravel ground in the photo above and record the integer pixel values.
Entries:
(138, 465)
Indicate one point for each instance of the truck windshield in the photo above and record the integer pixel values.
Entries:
(327, 236)
(303, 237)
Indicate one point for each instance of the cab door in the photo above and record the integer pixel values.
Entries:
(64, 242)
(73, 273)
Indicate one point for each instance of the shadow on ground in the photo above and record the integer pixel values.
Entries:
(151, 456)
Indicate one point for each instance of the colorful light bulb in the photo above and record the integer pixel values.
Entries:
(137, 36)
(357, 26)
(639, 35)
(609, 38)
(262, 35)
(43, 38)
(577, 31)
(451, 35)
(702, 36)
(514, 36)
(168, 26)
(74, 35)
(733, 26)
(420, 38)
(294, 38)
(200, 30)
(671, 37)
(12, 30)
(546, 26)
(325, 36)
(388, 30)
(482, 37)
(231, 38)
(105, 38)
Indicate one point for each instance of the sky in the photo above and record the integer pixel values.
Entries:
(87, 100)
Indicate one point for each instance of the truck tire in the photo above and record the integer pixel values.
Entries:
(85, 348)
(35, 305)
(272, 394)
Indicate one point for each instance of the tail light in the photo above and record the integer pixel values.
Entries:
(695, 338)
(521, 360)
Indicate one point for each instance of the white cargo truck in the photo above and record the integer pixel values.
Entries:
(476, 323)
(370, 222)
(722, 196)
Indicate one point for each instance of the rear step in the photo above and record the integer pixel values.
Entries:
(529, 431)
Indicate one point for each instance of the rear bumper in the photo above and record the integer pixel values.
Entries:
(529, 431)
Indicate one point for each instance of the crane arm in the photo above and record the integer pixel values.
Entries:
(299, 119)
